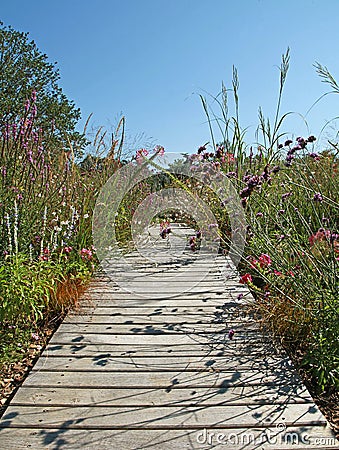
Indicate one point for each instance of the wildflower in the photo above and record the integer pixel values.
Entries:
(318, 197)
(240, 296)
(311, 138)
(314, 155)
(230, 158)
(286, 195)
(260, 214)
(86, 254)
(140, 154)
(301, 142)
(231, 333)
(247, 278)
(288, 142)
(219, 152)
(280, 146)
(165, 229)
(35, 336)
(68, 249)
(231, 174)
(267, 294)
(264, 260)
(159, 150)
(246, 192)
(281, 211)
(277, 272)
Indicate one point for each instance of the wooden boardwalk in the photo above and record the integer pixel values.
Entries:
(160, 372)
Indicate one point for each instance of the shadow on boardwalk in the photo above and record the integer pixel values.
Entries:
(162, 373)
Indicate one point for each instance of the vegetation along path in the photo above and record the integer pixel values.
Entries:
(165, 366)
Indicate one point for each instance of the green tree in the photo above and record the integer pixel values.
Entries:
(23, 70)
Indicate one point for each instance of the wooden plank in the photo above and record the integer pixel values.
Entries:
(298, 438)
(256, 350)
(250, 329)
(246, 395)
(159, 379)
(223, 309)
(175, 417)
(169, 363)
(169, 302)
(146, 319)
(133, 339)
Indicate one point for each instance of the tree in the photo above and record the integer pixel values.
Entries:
(23, 70)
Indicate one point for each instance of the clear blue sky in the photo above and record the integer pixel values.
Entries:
(150, 59)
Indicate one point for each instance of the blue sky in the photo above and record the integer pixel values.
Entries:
(150, 59)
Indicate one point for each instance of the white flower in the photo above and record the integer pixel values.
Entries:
(86, 216)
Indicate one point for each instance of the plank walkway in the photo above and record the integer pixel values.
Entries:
(158, 371)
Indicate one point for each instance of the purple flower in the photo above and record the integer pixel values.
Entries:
(318, 197)
(246, 192)
(288, 142)
(231, 174)
(275, 169)
(311, 138)
(286, 195)
(231, 333)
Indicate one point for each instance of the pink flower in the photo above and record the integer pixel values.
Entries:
(86, 254)
(35, 336)
(231, 333)
(276, 272)
(140, 154)
(264, 260)
(68, 249)
(247, 278)
(159, 149)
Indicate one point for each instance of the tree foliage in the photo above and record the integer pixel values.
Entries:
(24, 69)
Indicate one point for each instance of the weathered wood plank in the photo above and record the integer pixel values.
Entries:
(309, 437)
(176, 417)
(133, 339)
(169, 363)
(245, 395)
(249, 329)
(160, 379)
(256, 350)
(146, 319)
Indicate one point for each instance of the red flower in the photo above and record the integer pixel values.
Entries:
(247, 278)
(264, 260)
